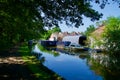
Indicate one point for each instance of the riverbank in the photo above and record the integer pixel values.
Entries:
(40, 71)
(21, 65)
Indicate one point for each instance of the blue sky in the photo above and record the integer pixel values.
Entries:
(109, 10)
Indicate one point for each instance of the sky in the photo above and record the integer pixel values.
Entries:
(110, 10)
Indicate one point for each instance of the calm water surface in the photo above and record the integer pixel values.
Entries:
(70, 67)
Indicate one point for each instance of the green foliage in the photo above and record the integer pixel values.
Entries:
(42, 48)
(112, 35)
(18, 22)
(49, 32)
(89, 30)
(70, 11)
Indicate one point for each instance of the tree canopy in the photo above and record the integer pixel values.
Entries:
(25, 19)
(112, 36)
(71, 11)
(18, 22)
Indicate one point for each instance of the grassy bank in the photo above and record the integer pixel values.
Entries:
(40, 71)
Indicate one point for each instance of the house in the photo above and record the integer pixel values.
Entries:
(65, 38)
(77, 39)
(54, 36)
(58, 36)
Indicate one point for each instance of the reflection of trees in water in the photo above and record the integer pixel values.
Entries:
(39, 57)
(107, 66)
(38, 53)
(80, 54)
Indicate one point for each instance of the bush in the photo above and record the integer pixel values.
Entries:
(112, 35)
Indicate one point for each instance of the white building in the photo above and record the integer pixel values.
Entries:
(77, 39)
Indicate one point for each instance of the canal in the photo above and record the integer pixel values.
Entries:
(75, 65)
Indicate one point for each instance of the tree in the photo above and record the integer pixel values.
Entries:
(24, 19)
(18, 22)
(89, 30)
(112, 36)
(71, 11)
(49, 32)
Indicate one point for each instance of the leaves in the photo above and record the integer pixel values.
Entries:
(17, 22)
(89, 30)
(112, 35)
(68, 10)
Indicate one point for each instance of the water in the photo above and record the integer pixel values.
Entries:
(71, 67)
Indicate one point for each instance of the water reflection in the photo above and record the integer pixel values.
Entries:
(105, 65)
(36, 52)
(80, 54)
(80, 65)
(70, 65)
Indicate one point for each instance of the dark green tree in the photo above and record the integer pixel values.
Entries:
(71, 11)
(18, 22)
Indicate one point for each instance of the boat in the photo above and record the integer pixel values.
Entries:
(74, 47)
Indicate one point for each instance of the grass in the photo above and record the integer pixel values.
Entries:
(53, 52)
(39, 70)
